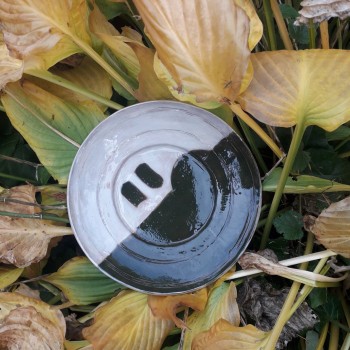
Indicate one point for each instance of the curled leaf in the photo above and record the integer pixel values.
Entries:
(322, 10)
(126, 322)
(225, 336)
(166, 307)
(221, 304)
(294, 87)
(82, 283)
(252, 260)
(29, 324)
(202, 44)
(332, 227)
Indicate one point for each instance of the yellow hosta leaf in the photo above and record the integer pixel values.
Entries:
(11, 69)
(115, 42)
(203, 44)
(24, 241)
(127, 323)
(88, 75)
(225, 336)
(30, 324)
(297, 87)
(332, 227)
(8, 276)
(33, 28)
(150, 86)
(221, 305)
(166, 307)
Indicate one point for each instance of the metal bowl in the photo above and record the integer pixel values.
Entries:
(163, 197)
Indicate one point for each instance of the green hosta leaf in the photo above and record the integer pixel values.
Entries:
(311, 340)
(343, 132)
(82, 283)
(112, 8)
(8, 276)
(289, 224)
(53, 128)
(302, 184)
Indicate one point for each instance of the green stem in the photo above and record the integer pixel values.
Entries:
(284, 315)
(293, 150)
(256, 127)
(18, 178)
(40, 216)
(346, 344)
(253, 146)
(270, 24)
(323, 336)
(334, 337)
(312, 35)
(55, 79)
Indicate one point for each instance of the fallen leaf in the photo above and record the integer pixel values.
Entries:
(221, 304)
(127, 322)
(8, 276)
(53, 127)
(332, 227)
(253, 260)
(24, 241)
(225, 336)
(11, 69)
(10, 301)
(166, 307)
(322, 10)
(24, 328)
(203, 44)
(294, 87)
(42, 32)
(82, 283)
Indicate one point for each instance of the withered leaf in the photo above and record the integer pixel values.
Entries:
(166, 307)
(332, 227)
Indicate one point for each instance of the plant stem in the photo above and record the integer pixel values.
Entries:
(18, 178)
(281, 25)
(2, 108)
(323, 336)
(346, 344)
(40, 216)
(287, 262)
(324, 35)
(253, 146)
(284, 316)
(99, 60)
(256, 127)
(55, 79)
(334, 337)
(293, 150)
(270, 25)
(312, 35)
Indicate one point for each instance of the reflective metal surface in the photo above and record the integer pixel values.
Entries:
(164, 197)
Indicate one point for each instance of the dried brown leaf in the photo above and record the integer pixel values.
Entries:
(322, 10)
(24, 241)
(27, 323)
(332, 227)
